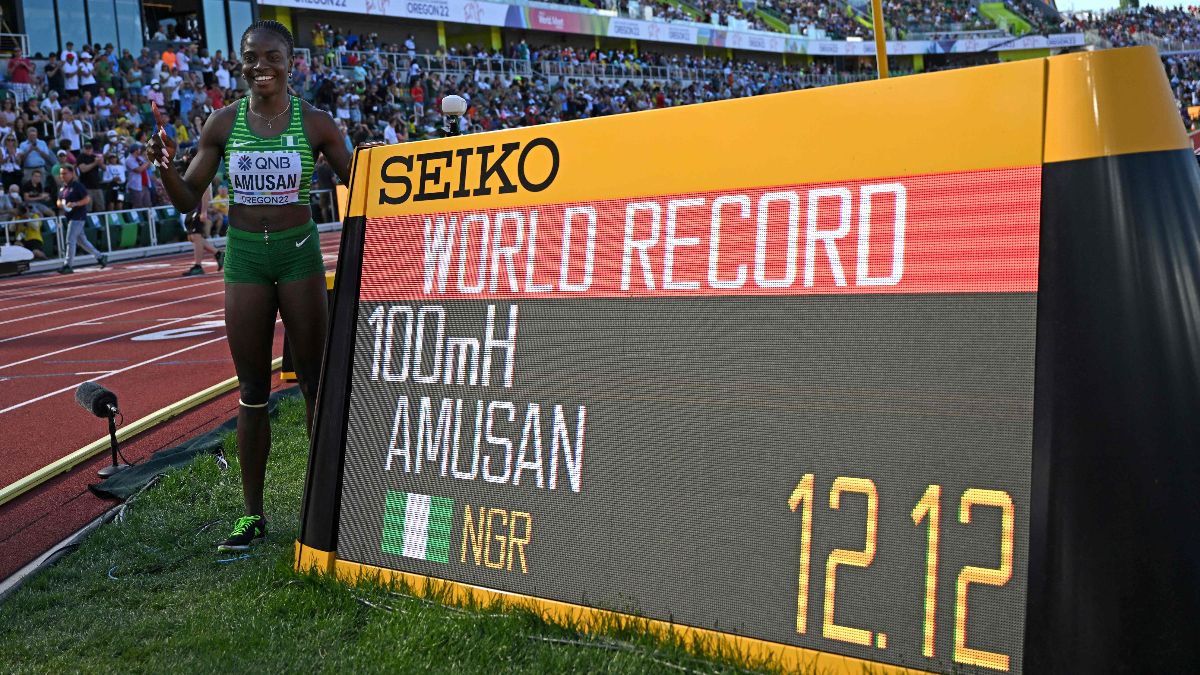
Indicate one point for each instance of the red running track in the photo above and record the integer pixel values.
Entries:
(140, 329)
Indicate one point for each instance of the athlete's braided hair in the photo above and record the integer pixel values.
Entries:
(273, 26)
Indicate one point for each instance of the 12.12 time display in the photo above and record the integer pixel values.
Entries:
(927, 516)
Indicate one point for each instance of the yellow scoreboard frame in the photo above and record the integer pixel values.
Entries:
(1112, 510)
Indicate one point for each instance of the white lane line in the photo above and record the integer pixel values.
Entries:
(47, 289)
(93, 322)
(72, 387)
(131, 264)
(94, 372)
(119, 289)
(100, 320)
(105, 302)
(156, 325)
(64, 282)
(114, 372)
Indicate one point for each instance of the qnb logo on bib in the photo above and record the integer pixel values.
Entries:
(260, 178)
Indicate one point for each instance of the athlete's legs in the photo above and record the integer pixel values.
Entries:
(200, 245)
(77, 236)
(302, 304)
(250, 325)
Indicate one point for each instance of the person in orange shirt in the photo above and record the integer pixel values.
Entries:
(168, 58)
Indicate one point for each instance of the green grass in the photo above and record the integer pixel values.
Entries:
(148, 594)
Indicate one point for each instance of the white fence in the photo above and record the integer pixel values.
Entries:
(433, 63)
(129, 233)
(10, 41)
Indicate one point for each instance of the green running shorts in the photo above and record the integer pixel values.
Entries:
(273, 257)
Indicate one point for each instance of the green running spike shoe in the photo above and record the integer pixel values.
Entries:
(245, 531)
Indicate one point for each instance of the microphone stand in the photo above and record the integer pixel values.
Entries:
(107, 471)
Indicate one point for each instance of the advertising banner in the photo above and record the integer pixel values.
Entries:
(652, 31)
(458, 11)
(588, 22)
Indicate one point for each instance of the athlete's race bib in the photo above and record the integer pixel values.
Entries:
(265, 177)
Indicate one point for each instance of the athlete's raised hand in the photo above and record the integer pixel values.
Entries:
(161, 148)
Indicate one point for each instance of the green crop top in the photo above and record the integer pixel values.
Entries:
(269, 171)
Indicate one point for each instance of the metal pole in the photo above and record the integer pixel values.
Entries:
(880, 39)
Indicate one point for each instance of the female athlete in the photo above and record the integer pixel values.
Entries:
(268, 141)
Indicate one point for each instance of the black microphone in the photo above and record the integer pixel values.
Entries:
(96, 399)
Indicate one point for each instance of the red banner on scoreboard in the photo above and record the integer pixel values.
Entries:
(966, 232)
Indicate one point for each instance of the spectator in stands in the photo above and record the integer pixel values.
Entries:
(10, 199)
(206, 68)
(128, 72)
(106, 66)
(90, 169)
(113, 181)
(168, 57)
(218, 211)
(33, 153)
(63, 156)
(155, 95)
(20, 74)
(38, 193)
(137, 178)
(31, 116)
(73, 199)
(8, 116)
(10, 162)
(53, 72)
(50, 106)
(146, 63)
(27, 230)
(87, 72)
(104, 105)
(70, 129)
(223, 75)
(183, 59)
(70, 70)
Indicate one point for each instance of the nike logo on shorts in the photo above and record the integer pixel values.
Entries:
(301, 242)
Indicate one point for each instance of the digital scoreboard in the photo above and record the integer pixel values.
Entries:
(780, 389)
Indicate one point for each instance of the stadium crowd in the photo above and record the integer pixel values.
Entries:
(1126, 27)
(1183, 72)
(379, 102)
(934, 16)
(1043, 18)
(833, 18)
(91, 108)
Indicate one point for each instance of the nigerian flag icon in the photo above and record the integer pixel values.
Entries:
(417, 526)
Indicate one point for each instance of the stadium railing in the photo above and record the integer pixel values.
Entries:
(134, 233)
(957, 34)
(434, 63)
(52, 226)
(10, 41)
(673, 74)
